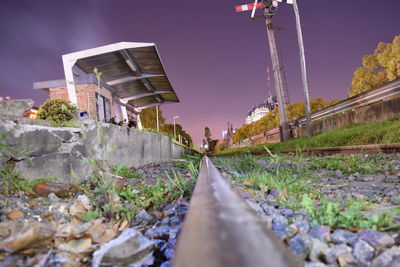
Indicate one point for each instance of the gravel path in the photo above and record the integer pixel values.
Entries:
(321, 245)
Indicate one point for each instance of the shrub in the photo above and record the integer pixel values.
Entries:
(57, 110)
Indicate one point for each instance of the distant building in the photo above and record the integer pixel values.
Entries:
(260, 110)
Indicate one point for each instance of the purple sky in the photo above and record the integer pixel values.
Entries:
(216, 59)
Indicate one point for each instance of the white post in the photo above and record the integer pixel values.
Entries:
(175, 117)
(124, 112)
(69, 79)
(139, 122)
(158, 123)
(303, 68)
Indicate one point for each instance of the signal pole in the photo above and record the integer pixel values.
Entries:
(303, 68)
(278, 76)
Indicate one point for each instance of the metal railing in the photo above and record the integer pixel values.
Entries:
(378, 94)
(220, 229)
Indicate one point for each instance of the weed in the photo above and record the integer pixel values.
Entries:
(13, 182)
(347, 165)
(348, 216)
(122, 170)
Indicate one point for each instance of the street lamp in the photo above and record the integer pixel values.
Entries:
(175, 117)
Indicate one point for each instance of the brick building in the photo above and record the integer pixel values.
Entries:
(132, 78)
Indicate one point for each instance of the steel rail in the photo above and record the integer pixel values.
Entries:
(220, 229)
(342, 150)
(378, 94)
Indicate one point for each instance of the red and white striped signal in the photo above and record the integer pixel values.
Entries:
(248, 7)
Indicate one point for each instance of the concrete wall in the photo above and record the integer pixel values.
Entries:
(42, 151)
(375, 112)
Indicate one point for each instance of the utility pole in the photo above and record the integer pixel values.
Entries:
(277, 67)
(175, 117)
(158, 123)
(303, 68)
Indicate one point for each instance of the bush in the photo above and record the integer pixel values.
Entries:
(57, 110)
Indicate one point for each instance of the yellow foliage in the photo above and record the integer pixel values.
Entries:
(380, 68)
(271, 119)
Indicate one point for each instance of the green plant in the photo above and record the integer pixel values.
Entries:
(349, 215)
(124, 171)
(13, 182)
(57, 110)
(184, 186)
(347, 165)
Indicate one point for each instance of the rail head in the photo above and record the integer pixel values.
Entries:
(220, 229)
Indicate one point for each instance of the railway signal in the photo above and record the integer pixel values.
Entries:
(270, 7)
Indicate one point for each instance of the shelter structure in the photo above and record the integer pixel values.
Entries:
(117, 80)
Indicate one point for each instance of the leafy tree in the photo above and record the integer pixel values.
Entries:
(379, 68)
(57, 110)
(148, 117)
(271, 119)
(169, 129)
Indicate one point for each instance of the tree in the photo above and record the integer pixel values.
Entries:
(148, 117)
(271, 119)
(57, 110)
(379, 68)
(169, 129)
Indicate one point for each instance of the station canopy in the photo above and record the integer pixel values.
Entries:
(133, 71)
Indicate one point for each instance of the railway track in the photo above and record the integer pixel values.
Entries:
(220, 229)
(343, 150)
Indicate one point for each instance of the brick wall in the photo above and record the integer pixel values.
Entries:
(84, 91)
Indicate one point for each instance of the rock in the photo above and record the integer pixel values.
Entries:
(59, 189)
(253, 205)
(269, 210)
(131, 247)
(143, 218)
(319, 250)
(32, 235)
(338, 173)
(386, 258)
(160, 232)
(321, 232)
(284, 231)
(377, 239)
(314, 264)
(363, 251)
(169, 253)
(15, 214)
(101, 233)
(335, 251)
(302, 226)
(165, 264)
(300, 245)
(343, 236)
(81, 205)
(347, 259)
(77, 246)
(366, 178)
(275, 193)
(15, 107)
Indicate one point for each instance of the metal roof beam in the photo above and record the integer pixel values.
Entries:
(129, 78)
(145, 94)
(148, 85)
(130, 62)
(155, 104)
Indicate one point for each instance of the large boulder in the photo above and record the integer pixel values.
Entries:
(15, 107)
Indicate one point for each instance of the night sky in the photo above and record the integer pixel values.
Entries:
(215, 58)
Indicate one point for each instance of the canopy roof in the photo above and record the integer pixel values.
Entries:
(132, 71)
